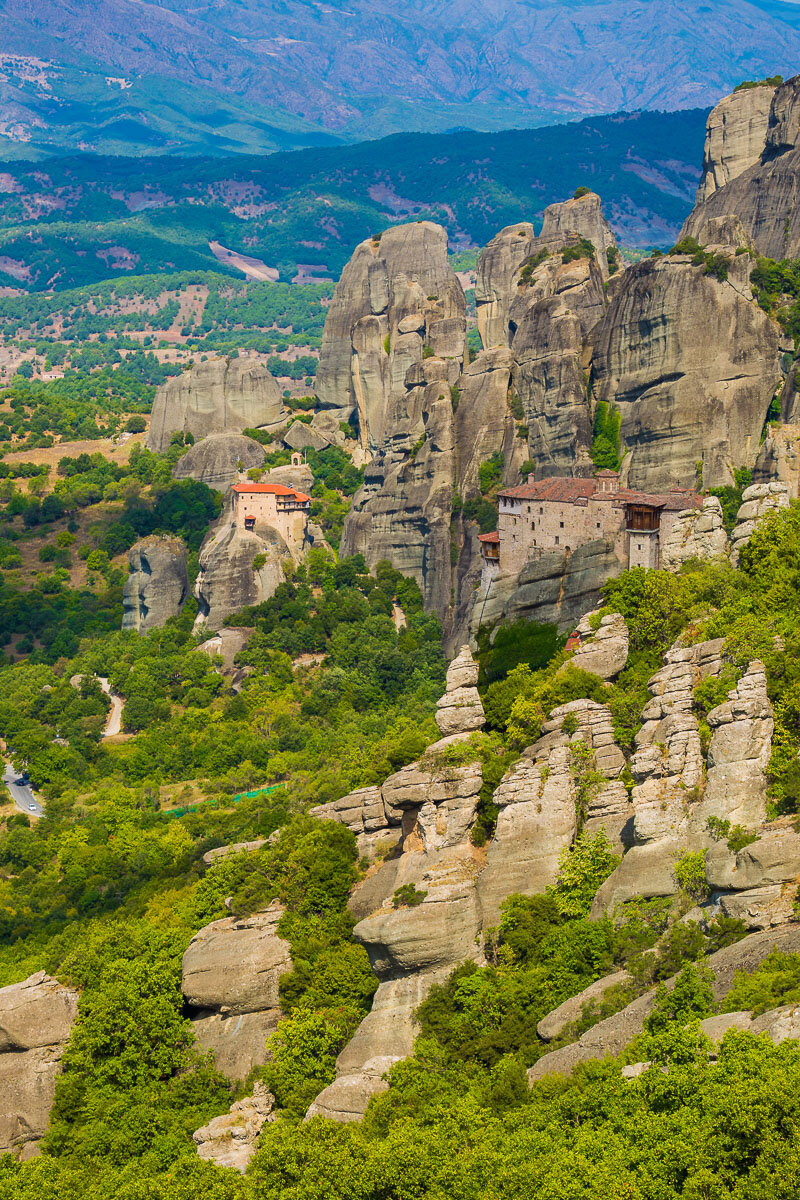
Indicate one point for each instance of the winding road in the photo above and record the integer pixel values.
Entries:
(114, 720)
(22, 794)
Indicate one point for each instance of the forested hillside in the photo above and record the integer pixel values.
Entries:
(78, 220)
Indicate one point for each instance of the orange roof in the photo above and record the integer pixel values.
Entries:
(564, 488)
(274, 489)
(488, 537)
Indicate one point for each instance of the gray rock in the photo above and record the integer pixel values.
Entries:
(215, 460)
(36, 1019)
(697, 533)
(603, 651)
(760, 502)
(234, 965)
(739, 753)
(610, 1037)
(238, 1041)
(346, 1099)
(565, 1014)
(217, 396)
(232, 1139)
(158, 584)
(680, 403)
(227, 581)
(736, 133)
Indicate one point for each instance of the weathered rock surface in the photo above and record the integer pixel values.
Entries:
(739, 753)
(376, 825)
(227, 580)
(603, 651)
(498, 265)
(582, 215)
(217, 459)
(395, 295)
(230, 975)
(556, 588)
(736, 132)
(697, 533)
(346, 1099)
(231, 1140)
(554, 1024)
(691, 364)
(611, 1036)
(779, 458)
(460, 709)
(759, 883)
(158, 584)
(36, 1019)
(764, 197)
(226, 643)
(759, 502)
(217, 396)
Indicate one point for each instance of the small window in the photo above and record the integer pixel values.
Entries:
(556, 539)
(529, 508)
(249, 522)
(541, 510)
(561, 525)
(598, 524)
(638, 547)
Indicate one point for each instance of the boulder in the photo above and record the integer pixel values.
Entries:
(36, 1019)
(232, 1139)
(759, 502)
(218, 458)
(346, 1099)
(227, 580)
(234, 965)
(460, 709)
(238, 1041)
(602, 651)
(582, 215)
(217, 396)
(696, 533)
(157, 585)
(226, 643)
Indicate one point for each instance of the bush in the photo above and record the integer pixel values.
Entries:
(135, 424)
(407, 896)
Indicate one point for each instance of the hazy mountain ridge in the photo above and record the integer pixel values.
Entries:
(263, 76)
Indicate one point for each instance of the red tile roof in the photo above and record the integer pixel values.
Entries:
(489, 537)
(565, 489)
(274, 489)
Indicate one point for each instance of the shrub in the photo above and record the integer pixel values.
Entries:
(582, 868)
(690, 873)
(135, 424)
(407, 896)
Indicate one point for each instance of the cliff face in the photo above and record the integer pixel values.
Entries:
(764, 196)
(692, 364)
(158, 583)
(736, 133)
(217, 396)
(215, 460)
(397, 300)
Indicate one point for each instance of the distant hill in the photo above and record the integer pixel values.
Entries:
(78, 220)
(261, 75)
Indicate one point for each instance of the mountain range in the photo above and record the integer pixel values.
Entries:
(260, 75)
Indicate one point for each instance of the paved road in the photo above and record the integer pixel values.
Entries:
(22, 795)
(114, 721)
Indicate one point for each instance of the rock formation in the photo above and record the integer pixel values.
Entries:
(230, 976)
(602, 650)
(397, 299)
(698, 533)
(232, 1139)
(217, 396)
(612, 1035)
(583, 216)
(739, 753)
(217, 459)
(779, 458)
(36, 1019)
(757, 885)
(759, 501)
(736, 132)
(460, 709)
(158, 583)
(498, 266)
(764, 196)
(691, 364)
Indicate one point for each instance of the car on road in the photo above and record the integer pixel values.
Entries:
(32, 808)
(20, 781)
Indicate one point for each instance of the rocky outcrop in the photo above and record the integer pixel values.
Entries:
(158, 584)
(226, 643)
(757, 885)
(610, 1037)
(736, 132)
(218, 396)
(232, 1139)
(764, 197)
(396, 296)
(583, 215)
(691, 363)
(779, 1024)
(556, 588)
(460, 709)
(36, 1019)
(602, 650)
(498, 266)
(697, 533)
(759, 502)
(557, 1021)
(375, 823)
(779, 458)
(227, 580)
(739, 753)
(218, 458)
(230, 975)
